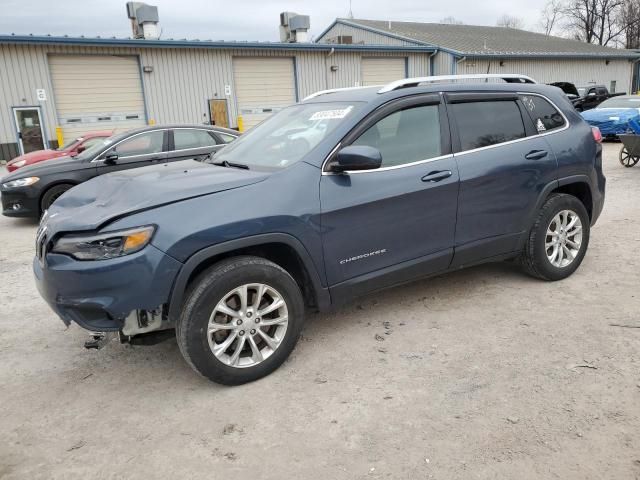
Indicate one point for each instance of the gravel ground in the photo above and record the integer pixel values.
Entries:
(481, 374)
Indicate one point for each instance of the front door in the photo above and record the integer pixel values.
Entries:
(218, 113)
(389, 225)
(139, 150)
(29, 127)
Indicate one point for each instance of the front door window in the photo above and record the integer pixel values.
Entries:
(29, 127)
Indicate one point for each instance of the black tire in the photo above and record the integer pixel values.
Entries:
(52, 195)
(626, 159)
(212, 286)
(534, 257)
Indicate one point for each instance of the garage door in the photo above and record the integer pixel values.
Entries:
(382, 70)
(97, 92)
(263, 86)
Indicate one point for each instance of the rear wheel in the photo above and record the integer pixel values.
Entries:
(52, 195)
(558, 239)
(241, 320)
(627, 159)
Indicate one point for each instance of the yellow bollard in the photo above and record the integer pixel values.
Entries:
(152, 122)
(59, 136)
(240, 124)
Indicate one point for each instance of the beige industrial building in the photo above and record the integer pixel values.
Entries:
(53, 87)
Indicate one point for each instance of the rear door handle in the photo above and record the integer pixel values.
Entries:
(437, 176)
(536, 154)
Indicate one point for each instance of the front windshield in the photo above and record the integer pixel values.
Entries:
(621, 102)
(288, 136)
(69, 144)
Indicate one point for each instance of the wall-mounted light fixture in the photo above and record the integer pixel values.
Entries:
(334, 68)
(147, 69)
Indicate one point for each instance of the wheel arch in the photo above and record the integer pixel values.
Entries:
(578, 186)
(280, 248)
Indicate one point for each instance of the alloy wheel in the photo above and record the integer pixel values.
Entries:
(247, 325)
(563, 238)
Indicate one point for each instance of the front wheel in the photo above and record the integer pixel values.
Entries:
(241, 320)
(52, 195)
(558, 239)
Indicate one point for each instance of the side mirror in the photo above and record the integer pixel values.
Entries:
(80, 149)
(357, 157)
(111, 158)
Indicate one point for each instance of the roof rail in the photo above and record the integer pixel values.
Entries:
(332, 90)
(412, 82)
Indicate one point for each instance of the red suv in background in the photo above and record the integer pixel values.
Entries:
(71, 149)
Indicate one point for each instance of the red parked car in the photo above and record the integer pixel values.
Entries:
(71, 149)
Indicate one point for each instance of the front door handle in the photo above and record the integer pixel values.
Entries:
(536, 154)
(437, 176)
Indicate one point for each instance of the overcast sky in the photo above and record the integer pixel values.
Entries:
(242, 19)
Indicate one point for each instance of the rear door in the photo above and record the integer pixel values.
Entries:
(139, 150)
(504, 165)
(193, 143)
(395, 223)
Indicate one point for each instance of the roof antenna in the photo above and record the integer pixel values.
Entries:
(350, 10)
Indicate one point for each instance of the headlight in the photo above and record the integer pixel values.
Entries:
(104, 245)
(21, 182)
(19, 164)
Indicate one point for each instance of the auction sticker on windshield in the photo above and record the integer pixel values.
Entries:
(331, 114)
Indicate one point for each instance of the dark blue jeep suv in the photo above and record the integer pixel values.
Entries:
(345, 193)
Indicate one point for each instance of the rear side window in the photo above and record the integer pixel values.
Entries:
(185, 138)
(481, 124)
(544, 115)
(405, 136)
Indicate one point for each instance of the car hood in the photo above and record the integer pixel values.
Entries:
(38, 156)
(91, 204)
(57, 165)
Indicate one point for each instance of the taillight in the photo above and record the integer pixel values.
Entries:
(597, 135)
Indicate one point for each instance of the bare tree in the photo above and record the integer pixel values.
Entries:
(451, 21)
(630, 18)
(510, 21)
(551, 15)
(596, 21)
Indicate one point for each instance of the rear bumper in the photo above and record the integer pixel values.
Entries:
(98, 295)
(20, 202)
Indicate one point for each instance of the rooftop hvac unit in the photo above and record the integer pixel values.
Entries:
(144, 20)
(294, 27)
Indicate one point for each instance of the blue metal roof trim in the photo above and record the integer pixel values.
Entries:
(130, 42)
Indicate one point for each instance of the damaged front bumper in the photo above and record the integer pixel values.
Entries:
(100, 295)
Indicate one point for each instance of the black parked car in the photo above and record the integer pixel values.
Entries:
(31, 190)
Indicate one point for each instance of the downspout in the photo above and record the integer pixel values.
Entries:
(432, 62)
(327, 67)
(455, 65)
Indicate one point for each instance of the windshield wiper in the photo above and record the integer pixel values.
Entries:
(224, 163)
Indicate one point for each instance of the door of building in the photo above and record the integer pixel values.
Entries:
(218, 113)
(29, 127)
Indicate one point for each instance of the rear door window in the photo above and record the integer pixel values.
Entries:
(186, 138)
(545, 116)
(481, 124)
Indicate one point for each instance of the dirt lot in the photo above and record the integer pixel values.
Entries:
(482, 374)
